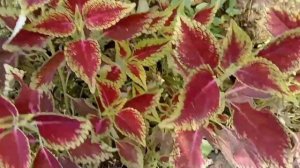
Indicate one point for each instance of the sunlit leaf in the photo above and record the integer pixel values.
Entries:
(131, 123)
(62, 132)
(99, 15)
(44, 158)
(15, 150)
(264, 130)
(131, 155)
(84, 58)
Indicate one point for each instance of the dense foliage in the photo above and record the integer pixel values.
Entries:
(89, 82)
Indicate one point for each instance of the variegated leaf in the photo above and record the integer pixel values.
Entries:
(15, 150)
(100, 125)
(195, 45)
(54, 3)
(84, 64)
(281, 20)
(147, 52)
(8, 17)
(129, 27)
(6, 58)
(137, 73)
(89, 152)
(194, 106)
(158, 21)
(7, 108)
(99, 15)
(45, 159)
(72, 4)
(237, 45)
(83, 107)
(53, 23)
(123, 49)
(109, 94)
(113, 73)
(130, 122)
(31, 5)
(43, 77)
(262, 75)
(61, 132)
(26, 40)
(206, 15)
(188, 149)
(264, 130)
(67, 163)
(144, 102)
(284, 51)
(131, 155)
(171, 13)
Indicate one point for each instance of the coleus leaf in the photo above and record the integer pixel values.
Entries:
(9, 17)
(53, 23)
(26, 40)
(188, 149)
(7, 108)
(112, 73)
(129, 27)
(72, 4)
(237, 45)
(89, 152)
(6, 58)
(43, 77)
(158, 21)
(262, 75)
(108, 93)
(281, 20)
(130, 122)
(31, 5)
(47, 102)
(123, 49)
(66, 162)
(264, 130)
(144, 102)
(194, 107)
(131, 155)
(44, 158)
(61, 132)
(15, 150)
(83, 107)
(99, 15)
(147, 52)
(194, 44)
(284, 51)
(171, 13)
(84, 64)
(100, 125)
(137, 73)
(206, 15)
(54, 3)
(11, 74)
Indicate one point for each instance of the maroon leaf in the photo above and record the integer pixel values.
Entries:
(15, 151)
(129, 27)
(206, 15)
(83, 107)
(281, 20)
(194, 107)
(158, 21)
(7, 108)
(67, 163)
(113, 73)
(9, 20)
(131, 123)
(262, 129)
(262, 75)
(54, 3)
(195, 45)
(144, 102)
(99, 15)
(89, 152)
(100, 126)
(131, 155)
(61, 132)
(26, 40)
(45, 159)
(44, 76)
(188, 149)
(72, 4)
(47, 103)
(84, 64)
(109, 94)
(54, 23)
(284, 51)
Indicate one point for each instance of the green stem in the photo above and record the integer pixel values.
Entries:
(64, 87)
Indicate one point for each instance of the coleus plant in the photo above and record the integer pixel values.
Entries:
(149, 88)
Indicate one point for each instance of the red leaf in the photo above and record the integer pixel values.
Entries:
(7, 108)
(9, 20)
(54, 3)
(71, 4)
(123, 49)
(26, 40)
(237, 46)
(61, 132)
(15, 151)
(100, 125)
(129, 27)
(47, 103)
(195, 45)
(158, 21)
(67, 163)
(262, 75)
(31, 5)
(206, 16)
(188, 149)
(131, 123)
(137, 73)
(262, 129)
(45, 159)
(109, 93)
(83, 107)
(113, 73)
(131, 155)
(194, 107)
(284, 51)
(281, 20)
(171, 15)
(143, 103)
(56, 24)
(43, 77)
(99, 15)
(84, 64)
(89, 152)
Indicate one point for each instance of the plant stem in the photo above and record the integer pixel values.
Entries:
(64, 87)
